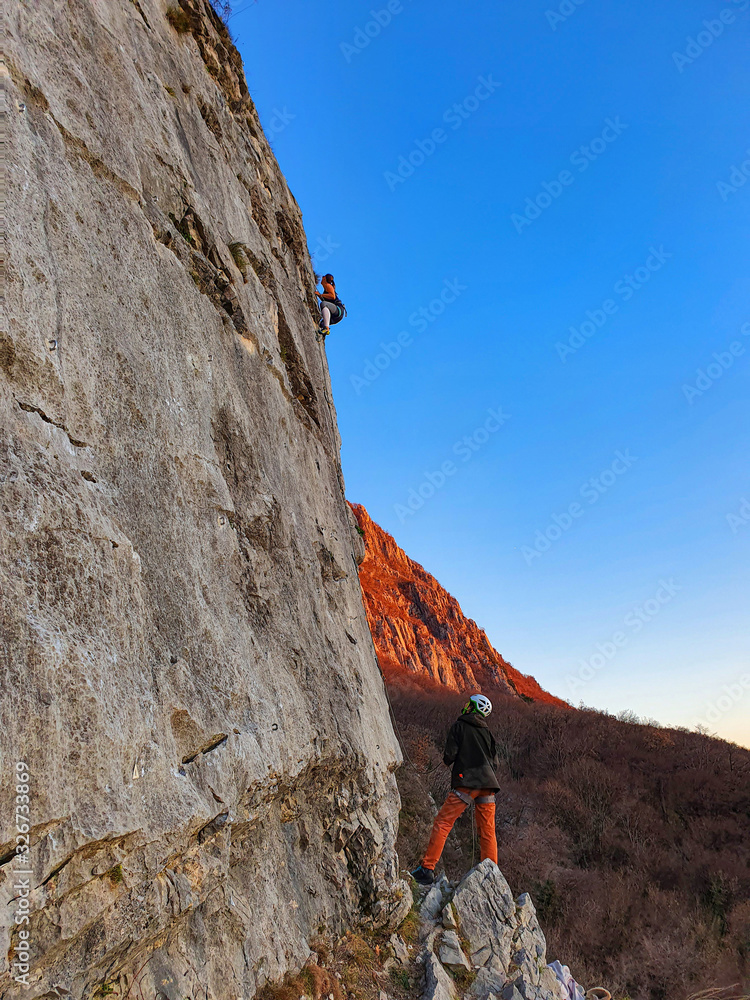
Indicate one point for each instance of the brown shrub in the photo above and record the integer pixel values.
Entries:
(632, 839)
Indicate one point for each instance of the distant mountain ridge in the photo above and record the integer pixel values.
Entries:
(421, 635)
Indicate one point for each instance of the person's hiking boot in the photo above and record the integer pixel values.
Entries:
(325, 331)
(424, 876)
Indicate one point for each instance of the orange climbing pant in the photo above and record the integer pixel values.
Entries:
(454, 805)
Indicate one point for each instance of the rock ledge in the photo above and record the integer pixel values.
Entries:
(479, 928)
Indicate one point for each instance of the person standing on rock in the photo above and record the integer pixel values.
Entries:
(332, 309)
(470, 748)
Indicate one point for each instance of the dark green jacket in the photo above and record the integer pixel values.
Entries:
(470, 748)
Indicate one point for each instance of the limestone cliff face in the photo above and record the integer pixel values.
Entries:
(186, 664)
(421, 635)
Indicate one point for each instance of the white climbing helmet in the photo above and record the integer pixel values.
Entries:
(480, 704)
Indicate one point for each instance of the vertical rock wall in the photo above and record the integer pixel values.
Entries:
(186, 665)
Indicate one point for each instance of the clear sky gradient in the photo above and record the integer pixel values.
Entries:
(566, 245)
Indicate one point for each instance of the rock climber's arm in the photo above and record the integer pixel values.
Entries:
(451, 746)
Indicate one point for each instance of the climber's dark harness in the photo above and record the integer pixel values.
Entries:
(468, 800)
(336, 304)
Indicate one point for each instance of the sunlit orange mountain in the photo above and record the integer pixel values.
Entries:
(421, 635)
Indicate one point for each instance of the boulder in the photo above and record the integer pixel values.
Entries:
(434, 901)
(486, 913)
(507, 947)
(400, 950)
(449, 918)
(549, 984)
(451, 953)
(522, 989)
(525, 909)
(438, 984)
(489, 980)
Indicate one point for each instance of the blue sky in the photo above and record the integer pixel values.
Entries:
(577, 262)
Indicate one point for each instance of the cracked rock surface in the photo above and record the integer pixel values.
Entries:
(187, 667)
(478, 927)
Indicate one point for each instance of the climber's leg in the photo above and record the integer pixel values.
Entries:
(325, 318)
(484, 806)
(454, 805)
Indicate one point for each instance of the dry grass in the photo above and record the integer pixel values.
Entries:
(178, 19)
(357, 967)
(409, 929)
(239, 256)
(463, 978)
(719, 993)
(313, 981)
(115, 874)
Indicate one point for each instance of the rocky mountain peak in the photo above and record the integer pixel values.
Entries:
(421, 634)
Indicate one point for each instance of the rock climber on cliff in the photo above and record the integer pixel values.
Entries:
(332, 309)
(470, 748)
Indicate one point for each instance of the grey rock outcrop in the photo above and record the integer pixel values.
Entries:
(485, 909)
(438, 984)
(449, 917)
(187, 669)
(501, 936)
(434, 900)
(451, 953)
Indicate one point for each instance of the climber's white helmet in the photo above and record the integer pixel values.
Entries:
(478, 703)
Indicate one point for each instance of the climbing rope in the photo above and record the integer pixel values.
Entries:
(473, 839)
(398, 731)
(339, 470)
(323, 369)
(419, 773)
